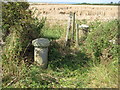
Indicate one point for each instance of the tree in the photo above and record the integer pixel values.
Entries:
(111, 2)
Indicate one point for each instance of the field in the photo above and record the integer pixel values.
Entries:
(92, 64)
(59, 13)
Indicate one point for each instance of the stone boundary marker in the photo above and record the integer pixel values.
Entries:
(41, 51)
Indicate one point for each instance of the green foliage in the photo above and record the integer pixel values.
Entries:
(98, 43)
(13, 13)
(103, 76)
(54, 32)
(93, 65)
(19, 28)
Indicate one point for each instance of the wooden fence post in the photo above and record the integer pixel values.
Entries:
(68, 29)
(73, 24)
(77, 35)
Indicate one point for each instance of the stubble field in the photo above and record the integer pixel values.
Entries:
(59, 13)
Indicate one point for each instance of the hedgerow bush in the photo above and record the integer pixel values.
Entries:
(19, 27)
(101, 43)
(101, 46)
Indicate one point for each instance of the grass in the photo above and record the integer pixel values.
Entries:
(52, 33)
(71, 67)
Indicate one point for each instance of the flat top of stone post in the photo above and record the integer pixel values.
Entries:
(84, 26)
(41, 42)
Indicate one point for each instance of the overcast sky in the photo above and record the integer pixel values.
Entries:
(76, 1)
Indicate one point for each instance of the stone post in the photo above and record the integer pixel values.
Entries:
(41, 51)
(84, 28)
(83, 31)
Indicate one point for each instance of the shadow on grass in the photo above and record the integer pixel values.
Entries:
(64, 57)
(50, 37)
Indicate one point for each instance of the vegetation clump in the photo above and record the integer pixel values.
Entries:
(93, 65)
(19, 28)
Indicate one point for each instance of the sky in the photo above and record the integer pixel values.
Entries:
(77, 1)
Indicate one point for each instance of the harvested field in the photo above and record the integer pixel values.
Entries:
(61, 12)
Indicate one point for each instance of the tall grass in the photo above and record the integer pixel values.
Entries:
(19, 28)
(86, 67)
(93, 65)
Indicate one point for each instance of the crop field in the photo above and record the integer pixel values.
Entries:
(60, 13)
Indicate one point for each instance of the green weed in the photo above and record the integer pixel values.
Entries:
(93, 65)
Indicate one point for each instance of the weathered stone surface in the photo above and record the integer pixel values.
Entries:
(41, 51)
(41, 56)
(41, 42)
